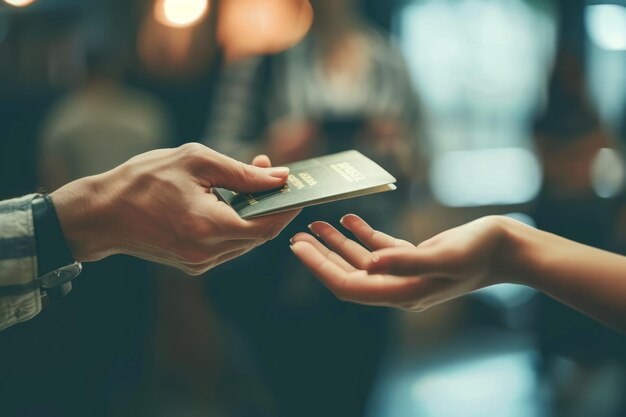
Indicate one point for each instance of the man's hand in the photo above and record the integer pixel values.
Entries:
(158, 206)
(398, 274)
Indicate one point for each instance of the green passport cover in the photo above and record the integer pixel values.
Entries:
(315, 181)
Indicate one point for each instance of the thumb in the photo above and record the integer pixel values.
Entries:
(404, 261)
(237, 176)
(262, 161)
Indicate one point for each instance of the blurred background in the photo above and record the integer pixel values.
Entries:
(513, 107)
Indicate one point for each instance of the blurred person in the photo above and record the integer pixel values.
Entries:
(100, 124)
(344, 86)
(345, 72)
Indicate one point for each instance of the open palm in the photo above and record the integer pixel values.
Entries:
(393, 272)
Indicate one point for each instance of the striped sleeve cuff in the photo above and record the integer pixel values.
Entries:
(20, 298)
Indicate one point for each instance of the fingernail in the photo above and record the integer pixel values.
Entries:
(375, 258)
(342, 220)
(291, 241)
(292, 248)
(278, 172)
(310, 227)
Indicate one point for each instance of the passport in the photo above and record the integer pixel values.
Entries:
(314, 181)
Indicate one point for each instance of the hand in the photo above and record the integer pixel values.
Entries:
(398, 274)
(158, 206)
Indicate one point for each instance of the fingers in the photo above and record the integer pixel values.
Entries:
(217, 170)
(405, 261)
(262, 161)
(355, 285)
(348, 249)
(241, 177)
(329, 272)
(269, 227)
(228, 223)
(305, 237)
(373, 239)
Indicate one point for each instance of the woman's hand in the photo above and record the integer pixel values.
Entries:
(399, 274)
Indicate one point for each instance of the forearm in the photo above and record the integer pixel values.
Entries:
(585, 278)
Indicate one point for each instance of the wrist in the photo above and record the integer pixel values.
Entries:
(523, 252)
(80, 208)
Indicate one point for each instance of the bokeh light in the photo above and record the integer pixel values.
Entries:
(606, 25)
(262, 26)
(484, 177)
(180, 13)
(608, 173)
(19, 3)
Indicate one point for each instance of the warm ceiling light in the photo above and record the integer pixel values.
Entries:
(180, 13)
(19, 3)
(253, 27)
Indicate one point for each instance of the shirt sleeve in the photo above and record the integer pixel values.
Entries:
(20, 298)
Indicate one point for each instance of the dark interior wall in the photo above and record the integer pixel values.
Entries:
(571, 36)
(380, 12)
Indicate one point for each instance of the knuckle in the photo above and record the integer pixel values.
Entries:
(192, 148)
(342, 243)
(492, 219)
(194, 154)
(243, 173)
(404, 243)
